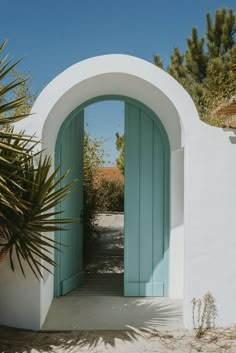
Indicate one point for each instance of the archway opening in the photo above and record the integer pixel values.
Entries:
(147, 193)
(103, 200)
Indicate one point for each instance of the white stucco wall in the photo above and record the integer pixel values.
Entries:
(205, 228)
(176, 255)
(210, 242)
(19, 298)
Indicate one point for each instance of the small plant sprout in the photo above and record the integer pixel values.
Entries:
(204, 313)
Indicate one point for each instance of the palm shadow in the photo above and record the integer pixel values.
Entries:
(154, 319)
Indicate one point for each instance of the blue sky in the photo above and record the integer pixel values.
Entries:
(54, 34)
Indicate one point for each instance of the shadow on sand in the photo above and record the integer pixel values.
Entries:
(157, 318)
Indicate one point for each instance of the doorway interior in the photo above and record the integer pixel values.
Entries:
(103, 203)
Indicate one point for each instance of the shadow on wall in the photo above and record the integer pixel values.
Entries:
(154, 317)
(231, 138)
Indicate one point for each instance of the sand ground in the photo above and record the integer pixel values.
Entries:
(182, 341)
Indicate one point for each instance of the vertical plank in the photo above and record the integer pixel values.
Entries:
(146, 204)
(71, 152)
(166, 217)
(132, 142)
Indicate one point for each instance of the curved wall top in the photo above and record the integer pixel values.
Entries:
(114, 74)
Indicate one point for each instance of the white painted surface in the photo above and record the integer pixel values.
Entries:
(176, 263)
(19, 298)
(46, 298)
(210, 241)
(209, 179)
(176, 255)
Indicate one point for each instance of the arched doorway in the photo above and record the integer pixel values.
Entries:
(196, 208)
(128, 76)
(147, 184)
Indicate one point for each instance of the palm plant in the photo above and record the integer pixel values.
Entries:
(28, 192)
(10, 142)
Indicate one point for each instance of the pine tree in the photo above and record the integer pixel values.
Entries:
(195, 58)
(157, 61)
(221, 33)
(207, 67)
(176, 67)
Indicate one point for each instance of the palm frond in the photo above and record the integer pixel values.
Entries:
(24, 232)
(28, 192)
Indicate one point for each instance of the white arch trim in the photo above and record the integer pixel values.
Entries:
(119, 75)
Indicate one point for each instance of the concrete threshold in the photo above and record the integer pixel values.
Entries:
(113, 313)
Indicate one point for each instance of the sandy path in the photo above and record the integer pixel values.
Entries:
(106, 254)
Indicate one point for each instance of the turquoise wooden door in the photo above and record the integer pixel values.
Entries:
(146, 204)
(69, 153)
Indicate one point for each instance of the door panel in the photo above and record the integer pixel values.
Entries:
(71, 274)
(132, 195)
(146, 205)
(159, 262)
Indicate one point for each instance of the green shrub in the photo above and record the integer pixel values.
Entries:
(110, 196)
(93, 158)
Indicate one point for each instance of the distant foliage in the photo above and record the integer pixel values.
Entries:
(23, 91)
(120, 146)
(110, 196)
(93, 158)
(100, 194)
(207, 69)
